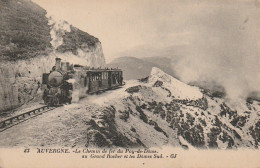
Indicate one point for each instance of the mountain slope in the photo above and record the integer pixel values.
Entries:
(164, 111)
(24, 30)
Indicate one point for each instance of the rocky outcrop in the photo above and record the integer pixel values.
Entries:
(29, 46)
(165, 111)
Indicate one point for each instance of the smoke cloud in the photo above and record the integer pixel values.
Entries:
(224, 48)
(58, 28)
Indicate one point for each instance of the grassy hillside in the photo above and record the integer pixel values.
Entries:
(75, 39)
(25, 33)
(24, 30)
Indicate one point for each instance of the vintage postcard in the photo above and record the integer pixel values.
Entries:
(129, 83)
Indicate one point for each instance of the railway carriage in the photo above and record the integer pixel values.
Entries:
(66, 82)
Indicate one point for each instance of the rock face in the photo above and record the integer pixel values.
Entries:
(161, 110)
(29, 44)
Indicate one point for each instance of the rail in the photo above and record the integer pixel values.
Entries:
(12, 121)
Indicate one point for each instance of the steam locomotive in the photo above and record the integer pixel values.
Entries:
(67, 82)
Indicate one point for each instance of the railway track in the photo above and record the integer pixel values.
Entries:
(12, 121)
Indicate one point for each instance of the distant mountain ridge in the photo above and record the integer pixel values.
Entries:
(136, 68)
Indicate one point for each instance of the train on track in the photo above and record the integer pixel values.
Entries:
(67, 82)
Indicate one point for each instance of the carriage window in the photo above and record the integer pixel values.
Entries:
(85, 81)
(114, 78)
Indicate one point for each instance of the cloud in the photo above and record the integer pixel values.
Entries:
(224, 48)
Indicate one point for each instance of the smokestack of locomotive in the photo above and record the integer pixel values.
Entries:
(57, 65)
(63, 66)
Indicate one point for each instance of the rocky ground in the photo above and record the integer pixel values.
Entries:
(64, 127)
(154, 112)
(91, 122)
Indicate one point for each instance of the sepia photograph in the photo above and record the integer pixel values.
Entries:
(129, 83)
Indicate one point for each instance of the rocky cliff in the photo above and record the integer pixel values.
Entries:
(161, 110)
(29, 44)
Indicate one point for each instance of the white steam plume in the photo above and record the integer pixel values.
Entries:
(224, 48)
(58, 28)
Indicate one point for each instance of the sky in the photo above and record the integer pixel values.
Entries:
(215, 39)
(124, 25)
